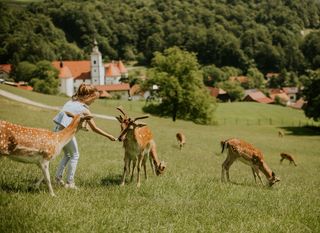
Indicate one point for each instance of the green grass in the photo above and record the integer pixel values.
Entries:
(189, 197)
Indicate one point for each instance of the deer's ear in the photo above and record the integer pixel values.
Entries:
(141, 124)
(69, 114)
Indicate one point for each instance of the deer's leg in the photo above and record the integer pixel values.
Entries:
(125, 167)
(44, 165)
(144, 161)
(37, 184)
(129, 168)
(281, 160)
(254, 174)
(152, 165)
(226, 166)
(133, 167)
(139, 169)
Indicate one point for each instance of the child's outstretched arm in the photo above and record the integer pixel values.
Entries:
(97, 130)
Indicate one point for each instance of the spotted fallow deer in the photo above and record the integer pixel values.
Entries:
(246, 153)
(181, 139)
(36, 145)
(287, 157)
(139, 145)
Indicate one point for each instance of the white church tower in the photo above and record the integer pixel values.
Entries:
(97, 66)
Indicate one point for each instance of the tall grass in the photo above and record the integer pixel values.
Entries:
(189, 197)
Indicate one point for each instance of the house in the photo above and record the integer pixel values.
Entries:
(292, 93)
(254, 95)
(4, 71)
(93, 71)
(219, 93)
(280, 94)
(119, 91)
(299, 104)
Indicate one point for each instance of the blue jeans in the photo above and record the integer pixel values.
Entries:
(71, 156)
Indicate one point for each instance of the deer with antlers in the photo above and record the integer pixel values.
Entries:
(35, 145)
(246, 153)
(139, 145)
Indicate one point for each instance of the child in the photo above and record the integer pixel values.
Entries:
(85, 95)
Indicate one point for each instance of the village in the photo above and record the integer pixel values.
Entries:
(109, 78)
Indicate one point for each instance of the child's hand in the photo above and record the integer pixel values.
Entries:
(113, 138)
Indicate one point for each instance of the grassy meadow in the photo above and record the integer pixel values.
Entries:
(189, 197)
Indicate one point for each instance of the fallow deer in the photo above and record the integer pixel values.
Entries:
(36, 145)
(181, 139)
(280, 134)
(138, 144)
(246, 153)
(287, 157)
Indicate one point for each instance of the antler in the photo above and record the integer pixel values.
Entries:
(122, 111)
(142, 117)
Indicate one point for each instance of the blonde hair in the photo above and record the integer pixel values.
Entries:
(85, 92)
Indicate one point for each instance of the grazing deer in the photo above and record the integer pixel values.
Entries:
(138, 144)
(287, 157)
(35, 145)
(181, 139)
(246, 153)
(280, 134)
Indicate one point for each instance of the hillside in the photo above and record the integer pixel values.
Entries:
(264, 34)
(189, 197)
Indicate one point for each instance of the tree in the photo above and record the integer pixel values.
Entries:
(181, 88)
(312, 96)
(23, 71)
(45, 78)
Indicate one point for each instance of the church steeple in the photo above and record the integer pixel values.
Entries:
(97, 66)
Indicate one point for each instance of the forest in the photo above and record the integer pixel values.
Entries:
(271, 35)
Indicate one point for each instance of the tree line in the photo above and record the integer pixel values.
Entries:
(270, 35)
(227, 38)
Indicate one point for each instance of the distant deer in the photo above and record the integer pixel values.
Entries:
(280, 134)
(181, 139)
(246, 153)
(35, 145)
(287, 157)
(138, 144)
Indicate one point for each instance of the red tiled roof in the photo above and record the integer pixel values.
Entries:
(258, 97)
(112, 70)
(214, 91)
(290, 90)
(283, 96)
(65, 72)
(78, 69)
(299, 104)
(5, 67)
(114, 87)
(121, 67)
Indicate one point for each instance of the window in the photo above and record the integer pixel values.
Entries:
(94, 62)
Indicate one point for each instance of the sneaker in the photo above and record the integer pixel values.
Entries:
(71, 186)
(59, 181)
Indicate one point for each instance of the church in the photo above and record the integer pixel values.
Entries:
(105, 76)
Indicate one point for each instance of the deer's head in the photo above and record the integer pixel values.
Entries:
(81, 120)
(274, 179)
(127, 123)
